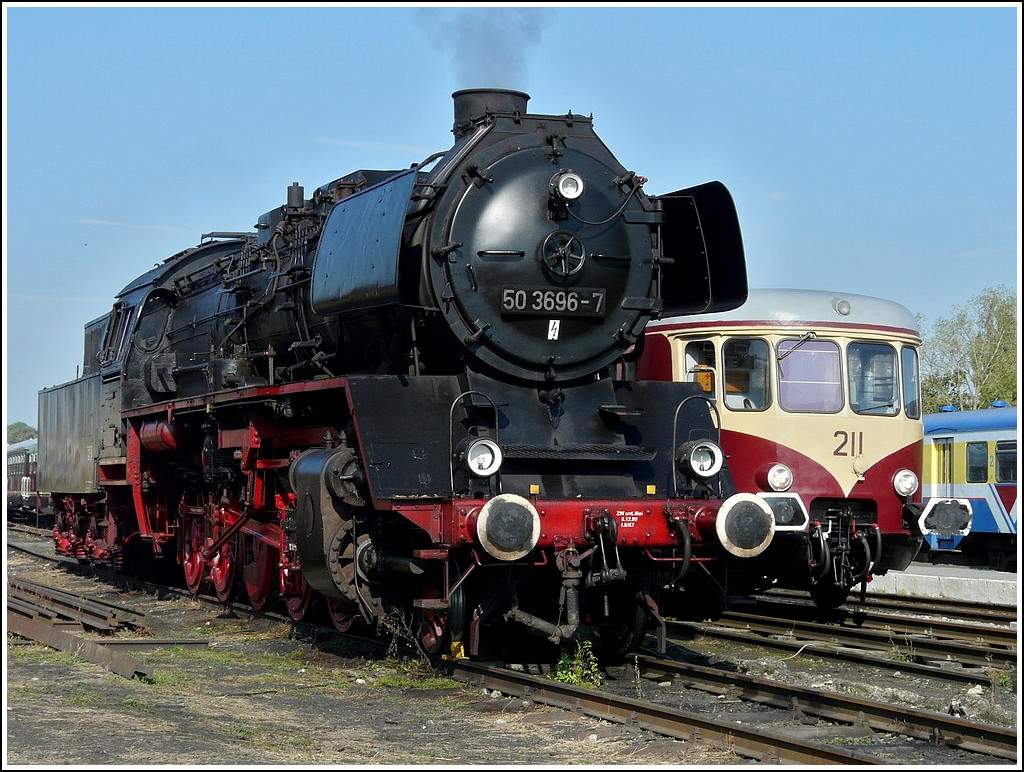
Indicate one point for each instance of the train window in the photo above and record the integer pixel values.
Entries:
(872, 379)
(810, 375)
(977, 462)
(745, 374)
(911, 383)
(699, 358)
(1006, 461)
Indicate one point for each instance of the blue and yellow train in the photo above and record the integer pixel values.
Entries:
(972, 455)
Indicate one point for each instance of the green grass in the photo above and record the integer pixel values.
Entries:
(580, 668)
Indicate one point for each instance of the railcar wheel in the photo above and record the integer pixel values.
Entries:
(828, 595)
(223, 570)
(259, 570)
(193, 562)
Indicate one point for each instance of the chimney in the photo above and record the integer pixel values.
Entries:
(474, 103)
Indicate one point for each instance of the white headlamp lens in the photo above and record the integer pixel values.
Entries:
(483, 457)
(780, 477)
(905, 482)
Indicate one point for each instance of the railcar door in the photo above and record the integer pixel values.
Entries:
(943, 460)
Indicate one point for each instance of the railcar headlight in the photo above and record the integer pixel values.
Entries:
(780, 477)
(700, 459)
(567, 185)
(905, 482)
(483, 457)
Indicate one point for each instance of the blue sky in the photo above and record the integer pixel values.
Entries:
(871, 150)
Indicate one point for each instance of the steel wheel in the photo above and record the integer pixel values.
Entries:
(298, 601)
(192, 554)
(828, 595)
(342, 613)
(223, 569)
(627, 627)
(259, 570)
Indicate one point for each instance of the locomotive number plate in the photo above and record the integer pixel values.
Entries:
(541, 301)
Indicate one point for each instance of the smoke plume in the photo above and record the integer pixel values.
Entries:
(490, 47)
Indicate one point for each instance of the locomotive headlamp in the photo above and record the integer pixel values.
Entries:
(483, 457)
(700, 459)
(905, 482)
(780, 477)
(567, 185)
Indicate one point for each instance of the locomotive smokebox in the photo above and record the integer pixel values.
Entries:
(474, 103)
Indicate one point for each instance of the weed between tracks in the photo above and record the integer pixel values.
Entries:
(580, 668)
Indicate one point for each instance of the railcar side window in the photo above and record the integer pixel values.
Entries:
(977, 462)
(872, 379)
(1006, 461)
(699, 360)
(810, 375)
(745, 373)
(911, 383)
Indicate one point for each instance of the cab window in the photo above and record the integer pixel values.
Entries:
(871, 371)
(745, 374)
(699, 361)
(117, 334)
(911, 383)
(810, 375)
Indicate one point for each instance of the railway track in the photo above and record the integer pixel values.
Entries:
(777, 731)
(762, 744)
(909, 634)
(874, 732)
(896, 656)
(958, 644)
(993, 634)
(964, 611)
(881, 717)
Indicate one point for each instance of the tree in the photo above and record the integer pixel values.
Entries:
(970, 359)
(19, 431)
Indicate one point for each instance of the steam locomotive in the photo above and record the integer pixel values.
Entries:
(413, 393)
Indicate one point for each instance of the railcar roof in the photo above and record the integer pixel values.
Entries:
(23, 445)
(802, 306)
(971, 420)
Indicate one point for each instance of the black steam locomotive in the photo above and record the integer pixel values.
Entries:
(412, 393)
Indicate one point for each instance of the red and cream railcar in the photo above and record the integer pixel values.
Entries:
(819, 405)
